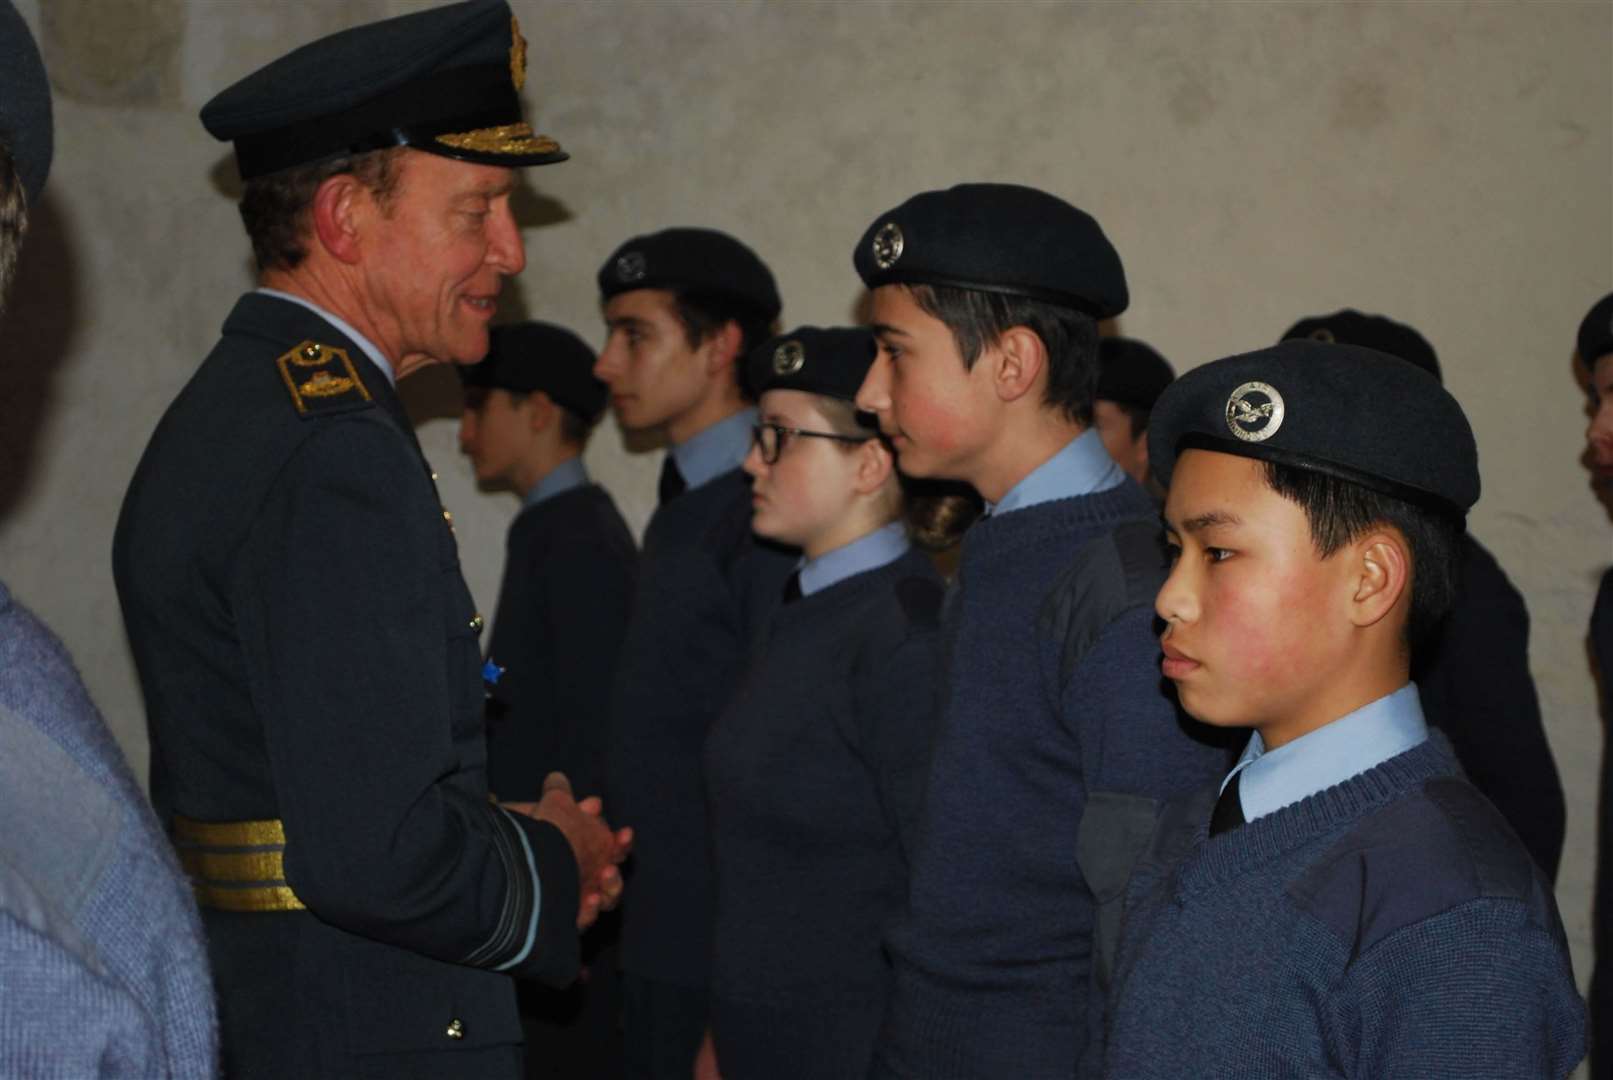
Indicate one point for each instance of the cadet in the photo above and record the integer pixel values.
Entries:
(1473, 677)
(1056, 737)
(1131, 376)
(815, 771)
(1595, 350)
(1344, 903)
(682, 307)
(102, 961)
(306, 645)
(569, 567)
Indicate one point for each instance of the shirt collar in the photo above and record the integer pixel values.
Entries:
(1082, 467)
(720, 448)
(870, 551)
(365, 344)
(561, 479)
(1330, 755)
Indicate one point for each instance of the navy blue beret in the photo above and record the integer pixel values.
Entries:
(25, 124)
(1352, 327)
(702, 261)
(538, 356)
(446, 81)
(1000, 238)
(1596, 332)
(1131, 373)
(831, 362)
(1344, 410)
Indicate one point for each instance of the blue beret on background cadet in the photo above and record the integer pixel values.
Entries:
(701, 261)
(1131, 373)
(831, 362)
(25, 123)
(1596, 332)
(999, 238)
(1352, 327)
(537, 356)
(1344, 410)
(446, 81)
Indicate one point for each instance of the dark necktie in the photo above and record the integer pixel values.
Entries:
(792, 588)
(1228, 813)
(672, 482)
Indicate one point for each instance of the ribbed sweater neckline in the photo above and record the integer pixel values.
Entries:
(988, 538)
(1214, 861)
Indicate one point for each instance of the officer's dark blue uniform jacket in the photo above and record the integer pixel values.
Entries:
(309, 652)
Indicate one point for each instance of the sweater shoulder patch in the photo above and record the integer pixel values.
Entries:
(1108, 576)
(321, 380)
(1418, 857)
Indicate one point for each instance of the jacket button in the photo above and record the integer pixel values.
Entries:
(456, 1030)
(477, 623)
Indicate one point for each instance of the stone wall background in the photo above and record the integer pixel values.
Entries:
(1447, 164)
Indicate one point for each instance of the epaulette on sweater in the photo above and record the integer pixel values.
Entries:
(1110, 575)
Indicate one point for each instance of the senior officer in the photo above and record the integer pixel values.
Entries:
(307, 647)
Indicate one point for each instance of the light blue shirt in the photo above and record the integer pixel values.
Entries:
(365, 344)
(561, 479)
(1330, 755)
(870, 551)
(1082, 467)
(720, 448)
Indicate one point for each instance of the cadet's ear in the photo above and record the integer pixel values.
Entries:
(542, 412)
(874, 466)
(335, 218)
(1018, 358)
(723, 348)
(1380, 575)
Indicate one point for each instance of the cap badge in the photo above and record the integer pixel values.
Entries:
(788, 358)
(631, 266)
(1255, 412)
(517, 54)
(888, 245)
(1322, 333)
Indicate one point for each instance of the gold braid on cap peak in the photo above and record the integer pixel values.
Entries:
(504, 139)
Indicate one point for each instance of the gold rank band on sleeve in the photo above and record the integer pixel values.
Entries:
(235, 865)
(321, 378)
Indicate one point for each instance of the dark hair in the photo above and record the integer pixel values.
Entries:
(274, 208)
(703, 314)
(575, 429)
(13, 220)
(978, 319)
(1340, 511)
(1137, 415)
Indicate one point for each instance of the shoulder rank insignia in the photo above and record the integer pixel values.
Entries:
(321, 379)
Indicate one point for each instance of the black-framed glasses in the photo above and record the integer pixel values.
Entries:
(770, 439)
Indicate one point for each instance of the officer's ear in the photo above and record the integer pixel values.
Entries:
(335, 216)
(875, 464)
(1379, 575)
(722, 348)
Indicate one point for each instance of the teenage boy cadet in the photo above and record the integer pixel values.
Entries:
(1344, 903)
(682, 307)
(1131, 376)
(1595, 350)
(306, 645)
(1056, 738)
(1473, 677)
(569, 568)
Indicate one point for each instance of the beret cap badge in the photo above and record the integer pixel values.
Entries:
(1254, 412)
(789, 358)
(631, 266)
(888, 244)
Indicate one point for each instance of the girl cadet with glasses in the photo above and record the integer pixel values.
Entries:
(815, 770)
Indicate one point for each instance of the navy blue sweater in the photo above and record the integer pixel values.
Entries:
(1389, 926)
(563, 603)
(993, 961)
(705, 584)
(815, 774)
